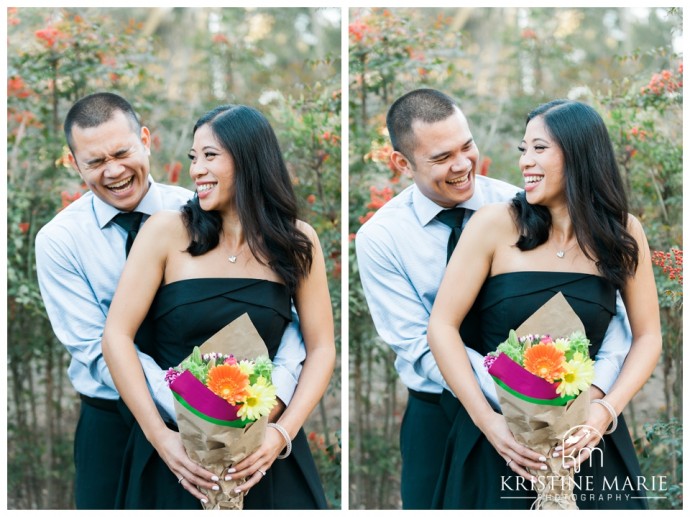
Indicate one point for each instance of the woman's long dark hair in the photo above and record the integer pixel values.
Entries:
(595, 195)
(264, 197)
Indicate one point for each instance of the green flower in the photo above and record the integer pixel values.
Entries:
(578, 344)
(263, 367)
(512, 348)
(196, 365)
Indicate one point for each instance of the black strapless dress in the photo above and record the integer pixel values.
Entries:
(474, 475)
(185, 314)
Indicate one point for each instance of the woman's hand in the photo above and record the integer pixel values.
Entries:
(190, 475)
(518, 457)
(254, 467)
(579, 446)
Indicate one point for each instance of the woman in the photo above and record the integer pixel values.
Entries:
(569, 231)
(235, 248)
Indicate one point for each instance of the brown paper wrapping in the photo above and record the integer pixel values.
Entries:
(541, 427)
(217, 447)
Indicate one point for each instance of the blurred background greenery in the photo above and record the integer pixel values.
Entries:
(499, 64)
(172, 64)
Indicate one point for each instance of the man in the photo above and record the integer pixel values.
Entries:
(80, 255)
(402, 252)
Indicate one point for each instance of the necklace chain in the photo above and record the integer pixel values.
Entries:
(233, 257)
(561, 253)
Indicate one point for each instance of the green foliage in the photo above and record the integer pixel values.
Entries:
(327, 457)
(661, 458)
(644, 117)
(173, 65)
(196, 365)
(511, 347)
(60, 57)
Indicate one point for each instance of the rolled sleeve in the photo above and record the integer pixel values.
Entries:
(614, 349)
(287, 363)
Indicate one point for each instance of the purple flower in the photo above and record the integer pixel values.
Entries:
(171, 375)
(489, 360)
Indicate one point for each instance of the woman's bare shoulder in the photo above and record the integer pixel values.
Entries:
(166, 219)
(165, 225)
(493, 214)
(306, 229)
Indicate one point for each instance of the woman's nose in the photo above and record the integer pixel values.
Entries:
(196, 170)
(525, 161)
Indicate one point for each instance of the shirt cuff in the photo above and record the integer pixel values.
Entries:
(285, 384)
(605, 374)
(485, 380)
(165, 404)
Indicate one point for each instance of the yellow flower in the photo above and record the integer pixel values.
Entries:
(579, 374)
(246, 367)
(261, 397)
(561, 344)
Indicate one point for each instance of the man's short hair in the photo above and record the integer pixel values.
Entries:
(96, 109)
(424, 104)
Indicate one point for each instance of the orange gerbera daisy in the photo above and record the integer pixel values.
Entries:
(545, 361)
(229, 382)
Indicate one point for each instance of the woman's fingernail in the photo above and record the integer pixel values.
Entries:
(559, 448)
(214, 478)
(533, 479)
(228, 478)
(231, 471)
(204, 501)
(237, 490)
(567, 466)
(215, 487)
(556, 455)
(542, 458)
(543, 467)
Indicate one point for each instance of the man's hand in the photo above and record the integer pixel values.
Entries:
(275, 413)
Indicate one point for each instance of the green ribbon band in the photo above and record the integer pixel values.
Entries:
(239, 423)
(558, 401)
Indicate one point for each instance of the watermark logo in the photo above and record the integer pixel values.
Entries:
(571, 485)
(575, 435)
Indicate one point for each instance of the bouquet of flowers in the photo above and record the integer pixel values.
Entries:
(543, 370)
(222, 403)
(216, 385)
(543, 379)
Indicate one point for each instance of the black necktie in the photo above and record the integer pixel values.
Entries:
(452, 218)
(130, 222)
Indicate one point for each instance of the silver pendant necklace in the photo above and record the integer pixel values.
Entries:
(561, 253)
(233, 258)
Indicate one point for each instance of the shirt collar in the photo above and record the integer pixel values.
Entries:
(151, 204)
(425, 209)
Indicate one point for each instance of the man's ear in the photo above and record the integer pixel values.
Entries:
(401, 163)
(145, 137)
(73, 163)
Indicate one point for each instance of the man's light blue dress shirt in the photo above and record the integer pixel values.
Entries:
(401, 254)
(80, 254)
